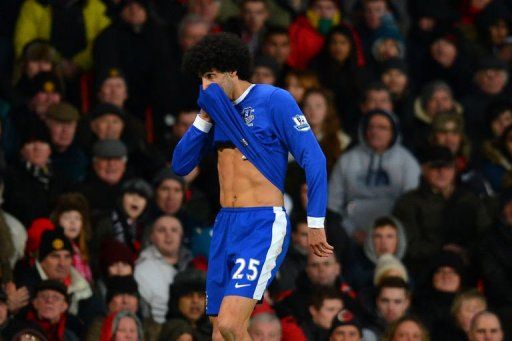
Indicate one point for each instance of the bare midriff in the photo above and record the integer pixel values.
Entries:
(242, 184)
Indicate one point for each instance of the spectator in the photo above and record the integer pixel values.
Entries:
(392, 301)
(170, 199)
(112, 88)
(375, 97)
(54, 263)
(178, 127)
(38, 56)
(70, 29)
(106, 121)
(449, 61)
(447, 279)
(340, 68)
(33, 177)
(394, 74)
(389, 266)
(298, 82)
(318, 107)
(122, 295)
(103, 186)
(387, 236)
(319, 272)
(498, 117)
(428, 19)
(492, 258)
(187, 306)
(460, 227)
(448, 131)
(159, 263)
(376, 21)
(114, 259)
(490, 82)
(45, 91)
(134, 44)
(345, 327)
(485, 326)
(49, 311)
(265, 71)
(389, 45)
(307, 32)
(325, 305)
(181, 90)
(265, 327)
(251, 25)
(126, 222)
(67, 156)
(122, 325)
(71, 213)
(276, 45)
(435, 98)
(497, 164)
(465, 306)
(368, 179)
(406, 328)
(493, 29)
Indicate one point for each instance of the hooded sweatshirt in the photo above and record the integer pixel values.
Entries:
(364, 184)
(360, 273)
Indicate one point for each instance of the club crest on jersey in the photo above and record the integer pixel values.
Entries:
(301, 124)
(248, 115)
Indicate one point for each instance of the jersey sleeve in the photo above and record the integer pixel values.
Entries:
(193, 146)
(294, 131)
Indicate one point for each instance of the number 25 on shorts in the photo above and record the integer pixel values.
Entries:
(252, 269)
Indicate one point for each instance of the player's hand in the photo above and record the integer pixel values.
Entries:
(318, 243)
(205, 116)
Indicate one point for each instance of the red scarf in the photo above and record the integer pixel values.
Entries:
(54, 331)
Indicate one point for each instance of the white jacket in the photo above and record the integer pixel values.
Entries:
(154, 277)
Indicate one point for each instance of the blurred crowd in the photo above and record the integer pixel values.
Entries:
(409, 100)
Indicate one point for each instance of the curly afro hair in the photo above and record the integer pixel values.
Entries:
(224, 52)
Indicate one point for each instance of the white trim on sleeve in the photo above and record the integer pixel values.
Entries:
(202, 124)
(316, 222)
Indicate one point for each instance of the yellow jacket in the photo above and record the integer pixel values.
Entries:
(34, 22)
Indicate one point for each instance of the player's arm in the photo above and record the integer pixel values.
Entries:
(294, 130)
(193, 146)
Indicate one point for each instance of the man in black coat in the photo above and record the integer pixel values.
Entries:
(137, 45)
(32, 184)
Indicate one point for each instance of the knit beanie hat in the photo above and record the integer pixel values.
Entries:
(345, 318)
(138, 186)
(53, 240)
(113, 251)
(117, 285)
(386, 263)
(53, 285)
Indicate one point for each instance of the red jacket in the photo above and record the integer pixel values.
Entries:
(305, 43)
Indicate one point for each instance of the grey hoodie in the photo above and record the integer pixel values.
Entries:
(369, 249)
(364, 185)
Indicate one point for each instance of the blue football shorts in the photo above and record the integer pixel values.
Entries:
(248, 246)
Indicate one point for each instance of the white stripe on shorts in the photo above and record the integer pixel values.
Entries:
(275, 249)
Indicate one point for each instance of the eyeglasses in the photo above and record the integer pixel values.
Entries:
(47, 297)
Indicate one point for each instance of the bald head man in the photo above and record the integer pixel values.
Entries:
(485, 326)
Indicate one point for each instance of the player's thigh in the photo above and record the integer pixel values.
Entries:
(236, 310)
